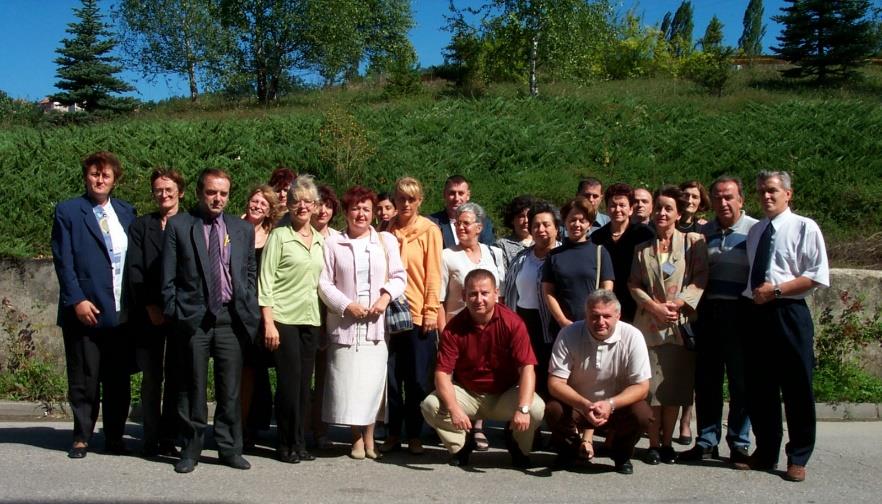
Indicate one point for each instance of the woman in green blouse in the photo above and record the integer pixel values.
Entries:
(288, 296)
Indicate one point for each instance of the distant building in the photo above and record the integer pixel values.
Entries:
(47, 105)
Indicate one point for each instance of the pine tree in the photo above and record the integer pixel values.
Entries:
(85, 67)
(751, 41)
(825, 39)
(713, 35)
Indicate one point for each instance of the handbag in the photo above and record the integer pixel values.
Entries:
(397, 315)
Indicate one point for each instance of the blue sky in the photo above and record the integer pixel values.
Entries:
(31, 30)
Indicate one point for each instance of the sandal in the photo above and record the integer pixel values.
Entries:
(586, 450)
(481, 441)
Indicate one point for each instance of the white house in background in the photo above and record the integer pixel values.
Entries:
(48, 105)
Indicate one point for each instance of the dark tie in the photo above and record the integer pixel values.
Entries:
(762, 258)
(215, 287)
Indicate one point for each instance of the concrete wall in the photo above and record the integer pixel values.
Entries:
(31, 287)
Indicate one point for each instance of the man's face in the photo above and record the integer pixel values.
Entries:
(774, 199)
(455, 195)
(214, 195)
(726, 203)
(593, 193)
(642, 205)
(480, 296)
(602, 319)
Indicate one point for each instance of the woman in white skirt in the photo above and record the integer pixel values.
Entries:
(362, 274)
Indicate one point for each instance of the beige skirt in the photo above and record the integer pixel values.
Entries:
(673, 375)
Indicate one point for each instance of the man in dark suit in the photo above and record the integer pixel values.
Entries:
(209, 289)
(457, 192)
(89, 245)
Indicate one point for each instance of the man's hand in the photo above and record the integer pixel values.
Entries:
(87, 313)
(520, 422)
(599, 413)
(764, 293)
(459, 419)
(154, 313)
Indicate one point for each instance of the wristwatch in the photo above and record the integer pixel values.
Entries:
(777, 292)
(524, 409)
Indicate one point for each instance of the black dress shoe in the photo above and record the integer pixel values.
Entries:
(185, 465)
(116, 448)
(235, 461)
(739, 458)
(624, 467)
(667, 455)
(77, 452)
(699, 452)
(305, 456)
(168, 449)
(652, 456)
(461, 458)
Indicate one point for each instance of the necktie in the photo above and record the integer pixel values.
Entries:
(214, 260)
(762, 258)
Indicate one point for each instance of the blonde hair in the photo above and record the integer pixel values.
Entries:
(410, 187)
(274, 212)
(303, 187)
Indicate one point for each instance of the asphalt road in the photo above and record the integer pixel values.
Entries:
(846, 467)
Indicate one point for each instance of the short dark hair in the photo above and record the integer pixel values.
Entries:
(515, 207)
(673, 192)
(479, 274)
(329, 197)
(723, 179)
(211, 172)
(455, 180)
(580, 204)
(588, 181)
(103, 159)
(356, 195)
(281, 178)
(541, 207)
(704, 200)
(386, 196)
(619, 189)
(171, 174)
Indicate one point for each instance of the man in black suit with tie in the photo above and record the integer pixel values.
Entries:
(209, 290)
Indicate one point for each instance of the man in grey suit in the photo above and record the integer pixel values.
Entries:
(209, 289)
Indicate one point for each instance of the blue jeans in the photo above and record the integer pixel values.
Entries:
(719, 349)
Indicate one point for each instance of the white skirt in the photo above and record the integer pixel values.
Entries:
(355, 383)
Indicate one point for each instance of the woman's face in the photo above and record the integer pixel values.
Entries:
(619, 209)
(166, 194)
(99, 182)
(386, 210)
(323, 215)
(258, 208)
(543, 230)
(693, 196)
(283, 195)
(467, 228)
(301, 209)
(408, 206)
(520, 224)
(359, 216)
(577, 225)
(665, 213)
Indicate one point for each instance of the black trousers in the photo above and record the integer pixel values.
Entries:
(214, 338)
(155, 358)
(779, 364)
(98, 365)
(411, 377)
(295, 360)
(533, 321)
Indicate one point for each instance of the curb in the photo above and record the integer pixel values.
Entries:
(23, 411)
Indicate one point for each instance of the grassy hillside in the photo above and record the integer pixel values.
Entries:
(643, 132)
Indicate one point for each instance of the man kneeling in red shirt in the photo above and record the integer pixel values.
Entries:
(485, 370)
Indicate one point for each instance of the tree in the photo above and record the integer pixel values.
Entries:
(85, 67)
(751, 41)
(682, 25)
(171, 37)
(711, 69)
(665, 27)
(713, 35)
(824, 39)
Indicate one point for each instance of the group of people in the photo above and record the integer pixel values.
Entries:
(592, 323)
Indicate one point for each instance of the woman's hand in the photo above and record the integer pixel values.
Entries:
(673, 309)
(356, 311)
(659, 311)
(87, 313)
(380, 305)
(270, 337)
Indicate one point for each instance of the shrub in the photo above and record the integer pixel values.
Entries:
(711, 69)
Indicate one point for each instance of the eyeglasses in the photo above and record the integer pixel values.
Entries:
(465, 223)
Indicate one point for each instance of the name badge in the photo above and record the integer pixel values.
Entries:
(668, 269)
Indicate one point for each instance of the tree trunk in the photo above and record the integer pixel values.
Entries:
(534, 55)
(191, 75)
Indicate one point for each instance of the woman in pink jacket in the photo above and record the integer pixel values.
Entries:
(362, 274)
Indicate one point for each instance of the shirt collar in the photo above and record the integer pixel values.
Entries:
(615, 337)
(781, 218)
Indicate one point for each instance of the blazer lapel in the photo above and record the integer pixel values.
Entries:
(92, 225)
(236, 246)
(154, 232)
(198, 237)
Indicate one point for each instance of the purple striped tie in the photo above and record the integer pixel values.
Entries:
(215, 287)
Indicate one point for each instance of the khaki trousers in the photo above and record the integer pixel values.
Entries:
(499, 407)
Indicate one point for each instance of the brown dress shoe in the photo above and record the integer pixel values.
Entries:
(795, 473)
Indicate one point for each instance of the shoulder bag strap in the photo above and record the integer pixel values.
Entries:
(599, 262)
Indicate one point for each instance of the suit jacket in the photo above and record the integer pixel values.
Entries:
(686, 281)
(487, 237)
(144, 265)
(185, 273)
(82, 262)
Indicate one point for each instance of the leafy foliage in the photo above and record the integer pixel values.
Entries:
(682, 25)
(751, 41)
(711, 69)
(713, 35)
(85, 67)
